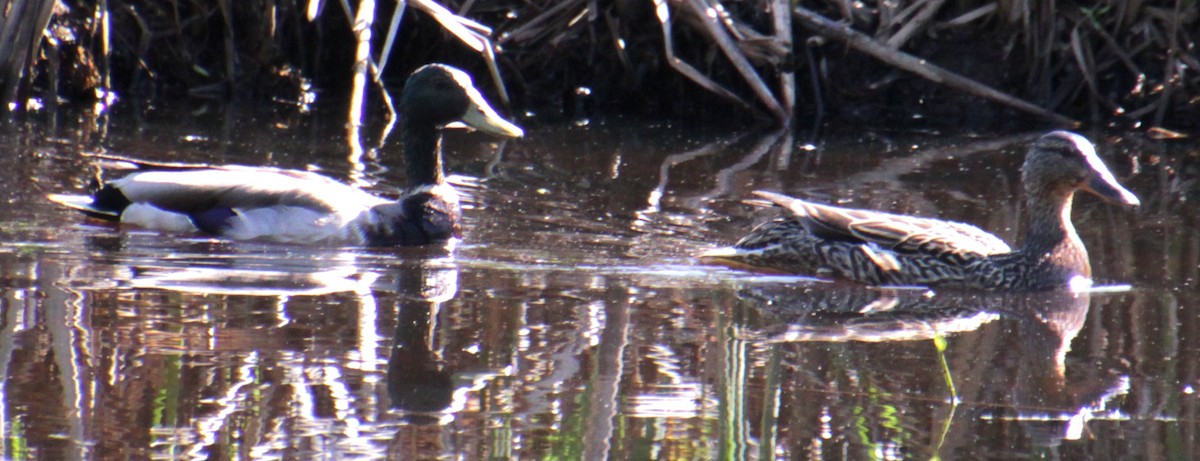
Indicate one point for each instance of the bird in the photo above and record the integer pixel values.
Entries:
(885, 249)
(290, 206)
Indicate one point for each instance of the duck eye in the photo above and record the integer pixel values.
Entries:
(1064, 151)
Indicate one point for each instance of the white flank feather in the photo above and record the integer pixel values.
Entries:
(150, 217)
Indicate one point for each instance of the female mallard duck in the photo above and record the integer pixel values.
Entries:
(879, 248)
(241, 202)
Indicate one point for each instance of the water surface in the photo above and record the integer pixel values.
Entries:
(572, 321)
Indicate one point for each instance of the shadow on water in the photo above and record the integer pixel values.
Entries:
(572, 320)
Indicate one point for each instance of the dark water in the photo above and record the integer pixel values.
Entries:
(572, 322)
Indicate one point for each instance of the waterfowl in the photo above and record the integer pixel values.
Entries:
(242, 202)
(885, 249)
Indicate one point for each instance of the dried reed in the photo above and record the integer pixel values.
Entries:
(1129, 63)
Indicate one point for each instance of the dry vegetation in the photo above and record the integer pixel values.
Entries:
(1131, 64)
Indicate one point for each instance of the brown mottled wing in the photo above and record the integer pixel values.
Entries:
(903, 234)
(929, 236)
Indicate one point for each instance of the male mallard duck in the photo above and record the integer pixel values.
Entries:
(879, 248)
(241, 202)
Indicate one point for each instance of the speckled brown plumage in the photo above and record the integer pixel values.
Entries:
(880, 248)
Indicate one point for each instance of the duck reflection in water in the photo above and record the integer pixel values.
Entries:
(422, 389)
(1033, 372)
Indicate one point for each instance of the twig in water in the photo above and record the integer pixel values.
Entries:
(782, 18)
(681, 66)
(393, 30)
(707, 16)
(967, 17)
(922, 68)
(815, 76)
(470, 33)
(364, 17)
(915, 25)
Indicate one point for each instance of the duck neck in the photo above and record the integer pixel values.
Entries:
(1051, 236)
(422, 154)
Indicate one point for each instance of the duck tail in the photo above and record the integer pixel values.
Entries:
(107, 202)
(797, 206)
